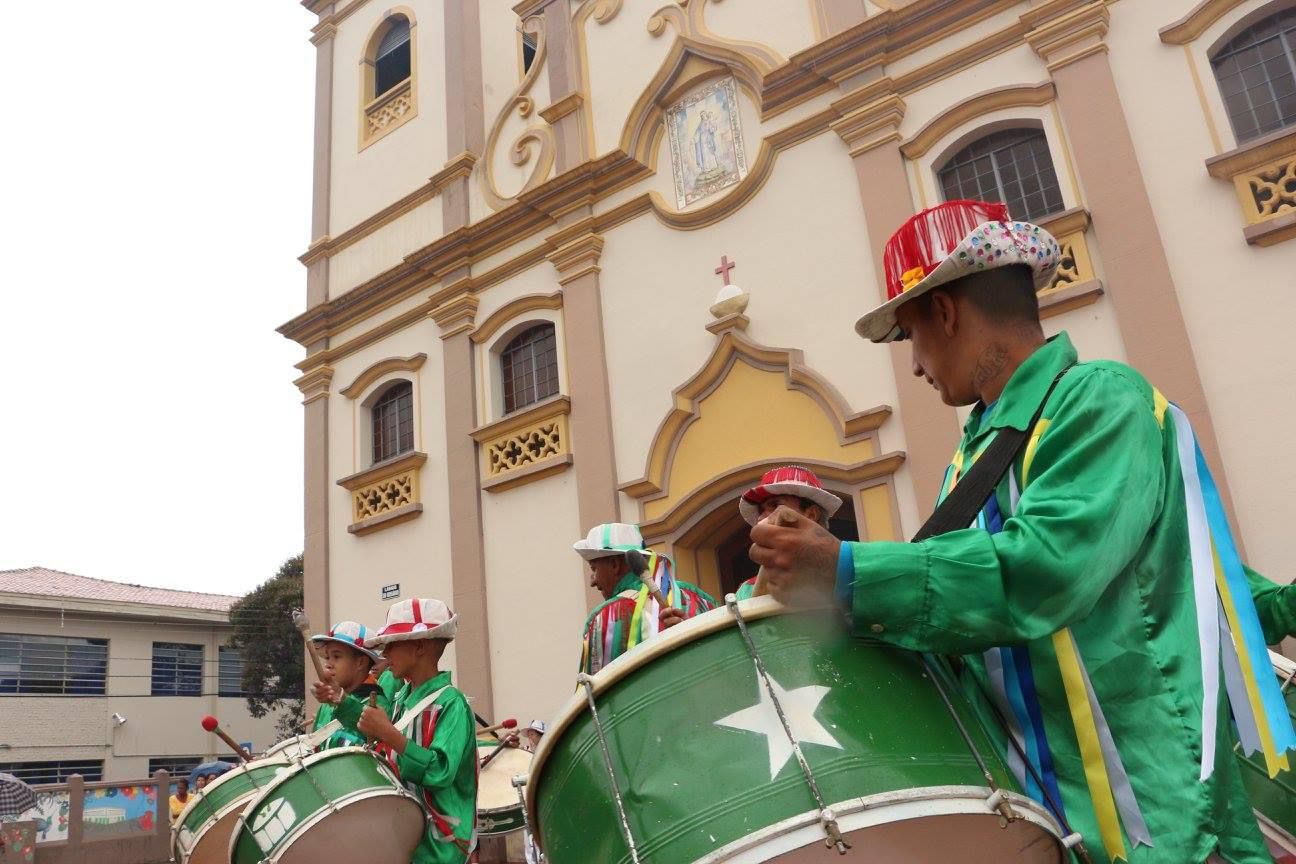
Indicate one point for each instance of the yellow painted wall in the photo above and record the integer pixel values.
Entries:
(751, 417)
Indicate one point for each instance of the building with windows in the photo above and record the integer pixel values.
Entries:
(531, 221)
(111, 681)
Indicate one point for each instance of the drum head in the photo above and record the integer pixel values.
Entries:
(495, 785)
(212, 845)
(379, 828)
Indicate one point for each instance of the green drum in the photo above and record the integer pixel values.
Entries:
(499, 810)
(1274, 799)
(202, 831)
(339, 805)
(688, 757)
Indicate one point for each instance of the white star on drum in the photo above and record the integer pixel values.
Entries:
(799, 706)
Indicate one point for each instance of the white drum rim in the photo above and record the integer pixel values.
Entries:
(720, 618)
(856, 813)
(295, 766)
(201, 794)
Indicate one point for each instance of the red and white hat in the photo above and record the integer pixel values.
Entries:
(417, 618)
(949, 241)
(788, 480)
(350, 634)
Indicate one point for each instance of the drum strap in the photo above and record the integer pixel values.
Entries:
(422, 705)
(965, 501)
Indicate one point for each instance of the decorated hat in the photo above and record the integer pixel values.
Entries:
(417, 618)
(947, 242)
(788, 480)
(350, 634)
(610, 538)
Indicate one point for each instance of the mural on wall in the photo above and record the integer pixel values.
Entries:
(50, 815)
(706, 142)
(120, 810)
(18, 842)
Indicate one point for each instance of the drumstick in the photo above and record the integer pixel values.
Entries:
(499, 748)
(781, 516)
(510, 723)
(646, 578)
(302, 623)
(209, 723)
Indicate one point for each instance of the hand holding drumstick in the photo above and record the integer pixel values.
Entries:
(797, 558)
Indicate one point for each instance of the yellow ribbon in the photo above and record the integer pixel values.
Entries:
(912, 277)
(1095, 768)
(1274, 761)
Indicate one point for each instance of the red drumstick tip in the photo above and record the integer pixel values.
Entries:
(510, 723)
(209, 723)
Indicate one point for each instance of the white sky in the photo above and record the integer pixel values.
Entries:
(155, 163)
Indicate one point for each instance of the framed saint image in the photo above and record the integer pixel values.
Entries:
(706, 142)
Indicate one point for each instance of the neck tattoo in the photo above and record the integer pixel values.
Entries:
(991, 364)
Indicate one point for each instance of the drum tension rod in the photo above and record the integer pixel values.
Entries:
(331, 806)
(588, 683)
(997, 800)
(827, 818)
(519, 782)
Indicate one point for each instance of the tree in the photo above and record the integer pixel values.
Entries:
(273, 661)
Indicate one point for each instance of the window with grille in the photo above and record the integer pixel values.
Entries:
(177, 669)
(528, 51)
(176, 766)
(1012, 166)
(529, 367)
(1256, 73)
(393, 422)
(52, 665)
(230, 672)
(54, 772)
(392, 59)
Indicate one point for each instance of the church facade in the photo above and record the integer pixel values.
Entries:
(579, 261)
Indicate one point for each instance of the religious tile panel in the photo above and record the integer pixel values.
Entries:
(706, 142)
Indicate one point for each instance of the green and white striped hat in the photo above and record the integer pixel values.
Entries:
(610, 538)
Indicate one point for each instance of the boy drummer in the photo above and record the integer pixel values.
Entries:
(431, 743)
(350, 662)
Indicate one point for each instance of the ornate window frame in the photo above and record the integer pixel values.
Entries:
(533, 442)
(496, 331)
(1015, 107)
(1259, 169)
(380, 115)
(386, 493)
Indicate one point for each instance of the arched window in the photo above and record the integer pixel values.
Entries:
(1256, 72)
(529, 367)
(392, 59)
(393, 422)
(1012, 166)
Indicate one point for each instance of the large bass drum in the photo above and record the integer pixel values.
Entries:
(498, 809)
(689, 760)
(202, 831)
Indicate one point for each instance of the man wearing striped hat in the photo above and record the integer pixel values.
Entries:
(624, 572)
(1085, 572)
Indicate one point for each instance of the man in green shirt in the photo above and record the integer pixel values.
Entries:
(1089, 597)
(429, 739)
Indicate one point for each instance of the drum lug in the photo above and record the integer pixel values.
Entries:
(999, 802)
(834, 840)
